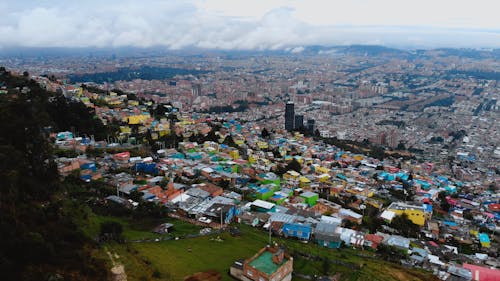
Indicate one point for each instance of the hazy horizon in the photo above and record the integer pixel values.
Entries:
(249, 25)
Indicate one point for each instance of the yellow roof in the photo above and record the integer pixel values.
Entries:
(304, 180)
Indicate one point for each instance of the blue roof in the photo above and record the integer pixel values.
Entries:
(341, 176)
(442, 178)
(428, 208)
(450, 223)
(483, 238)
(297, 227)
(402, 175)
(262, 190)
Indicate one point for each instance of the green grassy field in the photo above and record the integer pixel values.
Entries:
(139, 229)
(175, 259)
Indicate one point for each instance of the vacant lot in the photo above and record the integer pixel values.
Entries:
(175, 259)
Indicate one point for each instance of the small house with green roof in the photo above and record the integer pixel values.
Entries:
(310, 197)
(270, 263)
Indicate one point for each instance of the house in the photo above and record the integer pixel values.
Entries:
(163, 228)
(387, 216)
(219, 211)
(310, 197)
(350, 237)
(460, 272)
(350, 215)
(373, 240)
(269, 264)
(415, 213)
(118, 200)
(127, 189)
(481, 273)
(398, 241)
(297, 230)
(331, 220)
(212, 189)
(197, 192)
(324, 206)
(262, 206)
(484, 240)
(324, 235)
(265, 192)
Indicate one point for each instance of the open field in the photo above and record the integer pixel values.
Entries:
(175, 259)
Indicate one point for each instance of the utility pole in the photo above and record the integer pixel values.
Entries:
(270, 223)
(220, 217)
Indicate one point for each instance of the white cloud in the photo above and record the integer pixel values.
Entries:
(243, 24)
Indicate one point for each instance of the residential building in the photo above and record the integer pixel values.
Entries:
(415, 213)
(269, 264)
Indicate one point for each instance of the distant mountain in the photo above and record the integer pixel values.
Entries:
(310, 50)
(372, 50)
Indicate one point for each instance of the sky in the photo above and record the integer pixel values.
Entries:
(250, 24)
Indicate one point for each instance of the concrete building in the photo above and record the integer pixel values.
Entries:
(289, 116)
(299, 121)
(270, 263)
(415, 213)
(310, 125)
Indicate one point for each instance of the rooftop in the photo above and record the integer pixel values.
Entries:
(403, 206)
(264, 263)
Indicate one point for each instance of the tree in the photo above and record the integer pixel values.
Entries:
(229, 141)
(136, 195)
(401, 146)
(26, 74)
(265, 134)
(150, 209)
(444, 205)
(38, 222)
(373, 223)
(111, 230)
(294, 165)
(326, 265)
(347, 223)
(405, 226)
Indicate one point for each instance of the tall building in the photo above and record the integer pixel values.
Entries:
(196, 90)
(392, 139)
(299, 121)
(310, 125)
(289, 116)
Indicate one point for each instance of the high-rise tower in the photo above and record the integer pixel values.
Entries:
(289, 116)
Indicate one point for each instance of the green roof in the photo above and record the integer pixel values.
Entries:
(264, 263)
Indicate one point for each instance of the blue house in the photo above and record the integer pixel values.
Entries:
(149, 168)
(300, 231)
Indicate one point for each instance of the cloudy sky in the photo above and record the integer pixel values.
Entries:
(249, 24)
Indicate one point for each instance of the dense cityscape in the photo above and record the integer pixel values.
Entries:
(247, 149)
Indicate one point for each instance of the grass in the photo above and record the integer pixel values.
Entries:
(176, 259)
(134, 229)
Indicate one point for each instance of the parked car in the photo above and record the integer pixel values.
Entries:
(205, 220)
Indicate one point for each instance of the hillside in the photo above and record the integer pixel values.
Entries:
(39, 239)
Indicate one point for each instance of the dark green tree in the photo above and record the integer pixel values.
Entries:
(111, 230)
(294, 165)
(265, 134)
